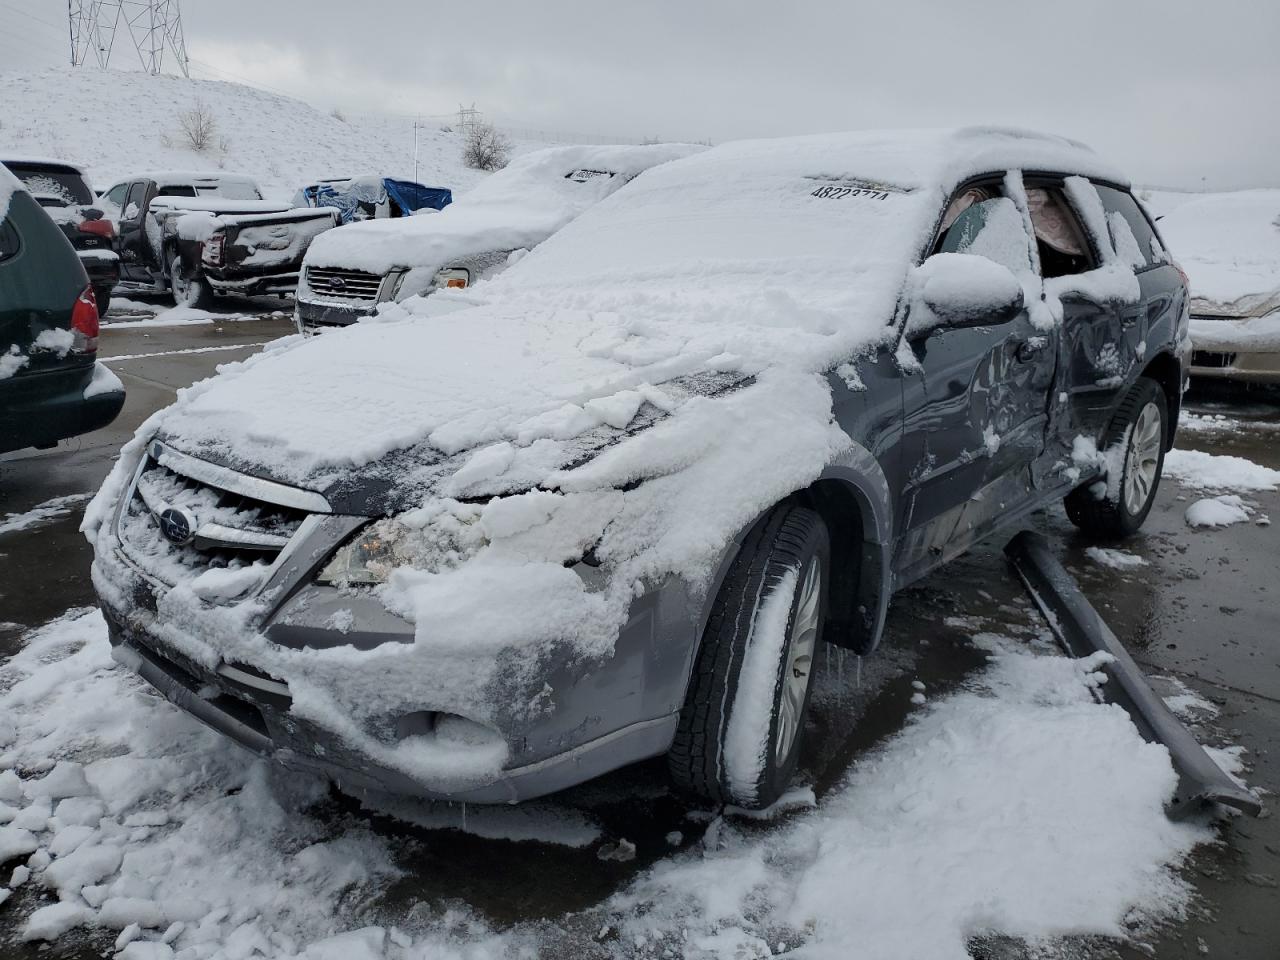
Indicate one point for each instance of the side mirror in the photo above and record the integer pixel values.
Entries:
(963, 290)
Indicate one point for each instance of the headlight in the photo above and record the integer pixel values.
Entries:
(452, 278)
(434, 539)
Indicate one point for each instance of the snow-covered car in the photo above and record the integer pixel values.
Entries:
(1229, 245)
(198, 236)
(610, 504)
(350, 272)
(51, 386)
(64, 192)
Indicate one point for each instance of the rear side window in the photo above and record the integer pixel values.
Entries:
(10, 242)
(1131, 232)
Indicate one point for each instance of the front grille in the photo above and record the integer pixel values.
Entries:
(344, 284)
(1212, 359)
(226, 528)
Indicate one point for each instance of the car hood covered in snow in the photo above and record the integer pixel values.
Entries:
(1229, 245)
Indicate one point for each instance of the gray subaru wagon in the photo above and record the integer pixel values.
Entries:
(609, 505)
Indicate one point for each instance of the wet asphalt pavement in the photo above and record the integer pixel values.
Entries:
(1204, 611)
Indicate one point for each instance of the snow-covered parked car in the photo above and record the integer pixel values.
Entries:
(64, 192)
(51, 386)
(610, 504)
(349, 273)
(199, 236)
(1229, 245)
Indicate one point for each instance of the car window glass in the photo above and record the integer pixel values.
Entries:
(1059, 239)
(133, 206)
(115, 196)
(991, 228)
(1131, 231)
(9, 240)
(176, 190)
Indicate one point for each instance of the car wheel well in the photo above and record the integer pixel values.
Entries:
(1165, 370)
(847, 604)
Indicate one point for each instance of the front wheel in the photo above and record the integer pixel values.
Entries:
(738, 739)
(187, 293)
(1118, 505)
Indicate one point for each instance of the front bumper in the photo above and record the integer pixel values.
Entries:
(259, 721)
(561, 722)
(228, 284)
(1246, 350)
(312, 315)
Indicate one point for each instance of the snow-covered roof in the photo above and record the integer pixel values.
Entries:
(181, 176)
(1229, 245)
(518, 207)
(220, 204)
(44, 162)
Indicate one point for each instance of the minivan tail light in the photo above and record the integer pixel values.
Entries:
(99, 228)
(84, 323)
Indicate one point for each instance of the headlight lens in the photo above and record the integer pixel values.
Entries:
(434, 539)
(366, 559)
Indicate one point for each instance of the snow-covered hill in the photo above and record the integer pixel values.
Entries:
(116, 123)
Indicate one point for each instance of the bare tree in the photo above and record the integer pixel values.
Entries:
(199, 126)
(485, 148)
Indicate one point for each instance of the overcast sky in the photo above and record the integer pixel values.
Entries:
(1179, 92)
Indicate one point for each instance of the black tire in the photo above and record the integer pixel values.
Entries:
(102, 297)
(777, 554)
(1103, 509)
(187, 293)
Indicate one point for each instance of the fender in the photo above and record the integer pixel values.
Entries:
(852, 496)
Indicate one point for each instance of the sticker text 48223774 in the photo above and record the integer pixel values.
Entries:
(841, 191)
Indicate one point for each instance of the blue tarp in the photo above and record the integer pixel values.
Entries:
(358, 199)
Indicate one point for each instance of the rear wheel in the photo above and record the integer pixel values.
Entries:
(187, 293)
(1118, 505)
(740, 730)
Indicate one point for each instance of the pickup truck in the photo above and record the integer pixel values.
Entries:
(199, 236)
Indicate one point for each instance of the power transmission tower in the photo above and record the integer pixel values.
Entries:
(153, 26)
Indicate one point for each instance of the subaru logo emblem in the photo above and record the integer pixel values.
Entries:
(337, 283)
(178, 525)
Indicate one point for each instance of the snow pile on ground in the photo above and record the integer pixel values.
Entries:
(1115, 559)
(1210, 471)
(49, 510)
(1018, 807)
(1220, 511)
(1229, 245)
(117, 123)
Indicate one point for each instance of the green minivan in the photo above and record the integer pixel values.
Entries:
(50, 385)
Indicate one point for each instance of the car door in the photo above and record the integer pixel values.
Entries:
(1102, 333)
(138, 261)
(976, 398)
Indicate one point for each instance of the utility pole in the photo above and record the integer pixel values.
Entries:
(153, 26)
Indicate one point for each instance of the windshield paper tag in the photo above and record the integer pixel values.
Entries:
(841, 188)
